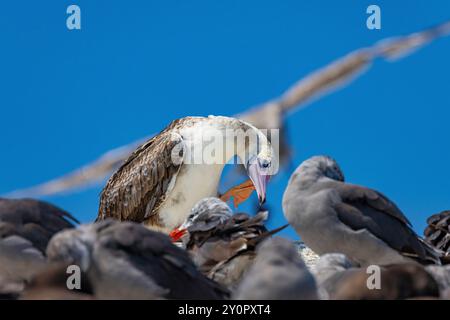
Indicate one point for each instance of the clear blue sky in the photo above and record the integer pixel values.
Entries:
(68, 96)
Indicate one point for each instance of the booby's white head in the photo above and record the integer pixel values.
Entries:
(252, 148)
(257, 158)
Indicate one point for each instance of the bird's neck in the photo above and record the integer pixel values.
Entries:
(218, 140)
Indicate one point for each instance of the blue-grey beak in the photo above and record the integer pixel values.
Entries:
(259, 179)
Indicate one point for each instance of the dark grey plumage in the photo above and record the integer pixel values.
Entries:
(339, 279)
(51, 284)
(442, 276)
(333, 216)
(26, 227)
(437, 233)
(208, 214)
(221, 244)
(328, 271)
(278, 273)
(34, 220)
(125, 260)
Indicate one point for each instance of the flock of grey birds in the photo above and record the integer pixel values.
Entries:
(218, 254)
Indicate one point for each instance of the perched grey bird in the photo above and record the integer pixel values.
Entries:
(339, 279)
(19, 261)
(206, 215)
(26, 227)
(221, 244)
(278, 273)
(333, 216)
(125, 260)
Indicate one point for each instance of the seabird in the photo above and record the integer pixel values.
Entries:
(125, 260)
(220, 243)
(333, 216)
(278, 273)
(26, 227)
(339, 279)
(151, 188)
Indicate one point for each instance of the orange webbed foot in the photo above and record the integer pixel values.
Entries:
(240, 193)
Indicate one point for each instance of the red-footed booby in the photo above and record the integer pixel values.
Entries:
(165, 177)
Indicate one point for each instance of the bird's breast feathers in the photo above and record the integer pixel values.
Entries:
(193, 183)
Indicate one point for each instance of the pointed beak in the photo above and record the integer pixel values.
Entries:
(259, 180)
(177, 234)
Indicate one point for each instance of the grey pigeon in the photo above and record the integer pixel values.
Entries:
(278, 273)
(333, 216)
(26, 227)
(221, 244)
(125, 260)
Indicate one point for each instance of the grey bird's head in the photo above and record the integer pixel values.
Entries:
(322, 166)
(279, 273)
(74, 246)
(207, 214)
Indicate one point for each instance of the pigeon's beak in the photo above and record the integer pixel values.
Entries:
(177, 234)
(259, 180)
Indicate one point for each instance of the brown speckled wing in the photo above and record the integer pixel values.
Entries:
(138, 188)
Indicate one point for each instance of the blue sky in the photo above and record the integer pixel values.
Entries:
(68, 96)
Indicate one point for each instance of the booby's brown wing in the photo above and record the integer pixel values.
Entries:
(138, 188)
(363, 208)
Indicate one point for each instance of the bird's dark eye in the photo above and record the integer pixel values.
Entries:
(264, 163)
